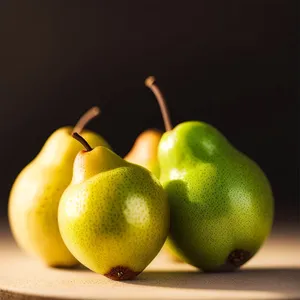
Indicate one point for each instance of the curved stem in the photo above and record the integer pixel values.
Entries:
(150, 83)
(80, 139)
(86, 117)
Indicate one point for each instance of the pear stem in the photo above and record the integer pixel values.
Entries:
(85, 118)
(150, 83)
(80, 139)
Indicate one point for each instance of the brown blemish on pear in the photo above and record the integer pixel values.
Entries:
(121, 273)
(238, 257)
(235, 260)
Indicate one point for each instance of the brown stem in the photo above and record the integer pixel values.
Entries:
(86, 117)
(150, 83)
(80, 139)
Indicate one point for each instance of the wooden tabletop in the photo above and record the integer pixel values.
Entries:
(274, 273)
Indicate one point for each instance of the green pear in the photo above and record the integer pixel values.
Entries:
(221, 203)
(35, 195)
(114, 216)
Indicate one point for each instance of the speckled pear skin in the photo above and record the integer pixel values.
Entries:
(220, 201)
(144, 151)
(113, 218)
(35, 195)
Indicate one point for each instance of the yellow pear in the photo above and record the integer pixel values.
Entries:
(35, 194)
(144, 151)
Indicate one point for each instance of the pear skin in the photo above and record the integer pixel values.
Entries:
(144, 151)
(114, 216)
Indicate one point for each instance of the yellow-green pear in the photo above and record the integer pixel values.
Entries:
(114, 216)
(35, 195)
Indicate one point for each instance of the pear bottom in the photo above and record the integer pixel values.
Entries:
(42, 242)
(219, 260)
(32, 213)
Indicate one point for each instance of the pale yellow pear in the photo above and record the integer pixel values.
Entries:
(35, 196)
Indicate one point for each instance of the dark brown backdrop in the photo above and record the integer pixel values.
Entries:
(229, 63)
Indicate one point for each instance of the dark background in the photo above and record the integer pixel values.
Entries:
(229, 63)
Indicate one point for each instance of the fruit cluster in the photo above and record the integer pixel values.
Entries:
(79, 202)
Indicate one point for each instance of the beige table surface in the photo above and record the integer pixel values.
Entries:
(274, 273)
